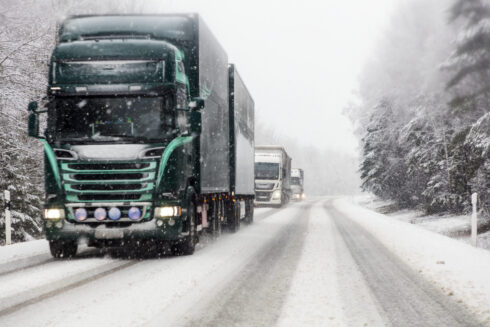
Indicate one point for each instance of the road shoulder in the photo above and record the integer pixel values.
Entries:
(458, 270)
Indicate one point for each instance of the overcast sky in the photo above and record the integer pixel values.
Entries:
(299, 59)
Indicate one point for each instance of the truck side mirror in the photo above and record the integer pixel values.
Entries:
(32, 107)
(196, 104)
(33, 125)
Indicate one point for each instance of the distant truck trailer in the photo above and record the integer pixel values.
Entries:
(242, 149)
(297, 184)
(272, 175)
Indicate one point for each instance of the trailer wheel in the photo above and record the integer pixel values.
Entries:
(187, 245)
(217, 211)
(63, 249)
(249, 212)
(234, 220)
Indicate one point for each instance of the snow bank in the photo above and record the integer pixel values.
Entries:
(457, 268)
(20, 255)
(17, 251)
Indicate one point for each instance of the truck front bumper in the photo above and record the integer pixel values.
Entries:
(297, 196)
(265, 198)
(170, 230)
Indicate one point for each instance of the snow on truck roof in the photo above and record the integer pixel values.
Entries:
(163, 26)
(269, 148)
(263, 150)
(122, 50)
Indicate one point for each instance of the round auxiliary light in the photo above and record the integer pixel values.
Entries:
(100, 214)
(134, 213)
(81, 214)
(114, 213)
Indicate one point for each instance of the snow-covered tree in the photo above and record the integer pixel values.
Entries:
(478, 142)
(430, 152)
(380, 168)
(470, 61)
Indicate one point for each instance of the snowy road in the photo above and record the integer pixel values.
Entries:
(404, 297)
(306, 265)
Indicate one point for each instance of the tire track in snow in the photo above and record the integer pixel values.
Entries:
(14, 266)
(404, 297)
(256, 296)
(18, 265)
(328, 289)
(36, 294)
(269, 212)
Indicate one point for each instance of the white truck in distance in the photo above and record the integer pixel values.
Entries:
(297, 184)
(272, 175)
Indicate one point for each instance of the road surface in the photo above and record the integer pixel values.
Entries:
(303, 265)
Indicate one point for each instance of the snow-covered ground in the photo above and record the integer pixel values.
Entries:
(328, 289)
(456, 226)
(322, 262)
(146, 292)
(19, 255)
(458, 269)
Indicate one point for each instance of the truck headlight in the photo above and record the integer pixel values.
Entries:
(170, 211)
(54, 214)
(276, 195)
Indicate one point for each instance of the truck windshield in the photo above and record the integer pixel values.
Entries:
(109, 118)
(295, 181)
(266, 170)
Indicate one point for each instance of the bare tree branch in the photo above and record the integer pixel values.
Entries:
(20, 47)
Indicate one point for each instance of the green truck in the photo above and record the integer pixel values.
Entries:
(144, 135)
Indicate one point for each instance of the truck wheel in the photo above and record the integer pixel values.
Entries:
(216, 227)
(234, 220)
(284, 200)
(249, 212)
(187, 245)
(63, 249)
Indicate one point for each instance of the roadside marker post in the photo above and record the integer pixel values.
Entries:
(474, 219)
(8, 239)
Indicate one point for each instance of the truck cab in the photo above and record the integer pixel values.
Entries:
(129, 155)
(272, 176)
(297, 184)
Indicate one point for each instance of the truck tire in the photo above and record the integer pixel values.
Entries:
(234, 218)
(249, 212)
(216, 224)
(187, 245)
(63, 249)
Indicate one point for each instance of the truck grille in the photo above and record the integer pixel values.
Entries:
(108, 166)
(102, 181)
(98, 177)
(263, 196)
(264, 186)
(108, 187)
(109, 197)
